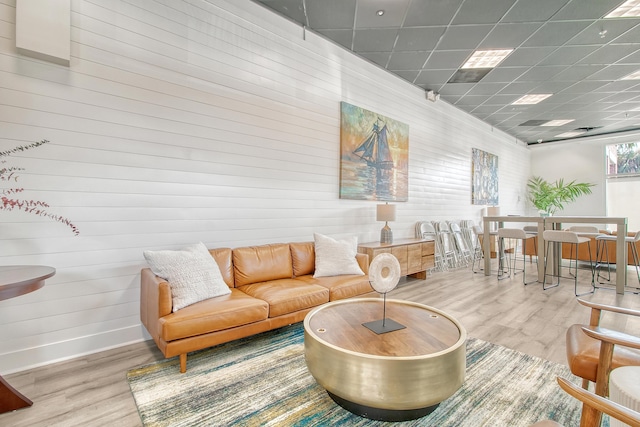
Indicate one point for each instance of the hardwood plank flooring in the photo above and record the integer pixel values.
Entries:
(93, 391)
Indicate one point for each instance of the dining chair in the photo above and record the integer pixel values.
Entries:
(602, 249)
(593, 351)
(516, 235)
(597, 403)
(553, 237)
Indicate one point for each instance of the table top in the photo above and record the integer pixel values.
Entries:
(16, 280)
(428, 330)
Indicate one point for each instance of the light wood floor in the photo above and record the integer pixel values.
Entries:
(93, 390)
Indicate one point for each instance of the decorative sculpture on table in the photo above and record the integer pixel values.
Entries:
(384, 274)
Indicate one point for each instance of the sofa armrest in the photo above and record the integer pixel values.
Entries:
(155, 301)
(363, 262)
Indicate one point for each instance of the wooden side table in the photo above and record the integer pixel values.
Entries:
(415, 256)
(16, 280)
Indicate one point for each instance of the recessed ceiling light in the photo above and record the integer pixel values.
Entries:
(626, 9)
(531, 99)
(570, 134)
(380, 12)
(486, 58)
(557, 122)
(633, 76)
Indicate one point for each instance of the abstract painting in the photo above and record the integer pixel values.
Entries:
(484, 178)
(374, 156)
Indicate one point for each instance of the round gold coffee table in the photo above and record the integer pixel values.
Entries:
(394, 376)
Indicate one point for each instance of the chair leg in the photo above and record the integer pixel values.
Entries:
(524, 264)
(603, 249)
(593, 285)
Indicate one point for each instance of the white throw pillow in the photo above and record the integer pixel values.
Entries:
(192, 273)
(336, 257)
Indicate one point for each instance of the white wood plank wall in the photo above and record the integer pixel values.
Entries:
(186, 121)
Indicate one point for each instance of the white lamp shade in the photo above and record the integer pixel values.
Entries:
(386, 212)
(493, 211)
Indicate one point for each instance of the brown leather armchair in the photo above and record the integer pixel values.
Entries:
(592, 352)
(598, 403)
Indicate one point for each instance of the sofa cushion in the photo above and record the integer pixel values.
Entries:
(287, 295)
(211, 315)
(336, 257)
(223, 257)
(192, 273)
(303, 257)
(341, 287)
(253, 264)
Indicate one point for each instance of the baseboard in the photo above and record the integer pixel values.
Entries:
(35, 357)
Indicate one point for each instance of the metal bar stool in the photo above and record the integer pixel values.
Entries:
(516, 234)
(570, 237)
(602, 248)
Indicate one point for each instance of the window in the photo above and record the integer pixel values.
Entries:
(623, 159)
(623, 182)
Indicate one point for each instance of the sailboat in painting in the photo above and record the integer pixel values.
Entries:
(375, 148)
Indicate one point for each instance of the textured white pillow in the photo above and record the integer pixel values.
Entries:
(192, 273)
(336, 257)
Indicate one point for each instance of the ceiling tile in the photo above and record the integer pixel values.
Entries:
(501, 99)
(520, 88)
(584, 87)
(592, 35)
(456, 88)
(634, 58)
(609, 54)
(434, 77)
(556, 33)
(441, 59)
(586, 9)
(380, 58)
(472, 100)
(463, 36)
(527, 56)
(330, 14)
(482, 11)
(504, 36)
(407, 60)
(418, 38)
(631, 36)
(504, 74)
(613, 72)
(408, 75)
(366, 16)
(486, 89)
(380, 40)
(342, 37)
(424, 13)
(540, 74)
(568, 55)
(576, 73)
(533, 11)
(292, 9)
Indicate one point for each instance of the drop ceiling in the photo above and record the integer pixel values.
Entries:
(561, 47)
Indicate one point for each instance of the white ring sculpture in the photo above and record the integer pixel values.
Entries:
(384, 273)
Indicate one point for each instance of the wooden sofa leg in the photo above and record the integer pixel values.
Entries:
(183, 363)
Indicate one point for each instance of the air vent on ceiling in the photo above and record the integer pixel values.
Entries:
(469, 75)
(588, 128)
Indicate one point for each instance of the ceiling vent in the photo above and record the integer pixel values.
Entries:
(588, 128)
(469, 75)
(534, 122)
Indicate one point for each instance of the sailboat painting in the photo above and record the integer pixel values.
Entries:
(374, 156)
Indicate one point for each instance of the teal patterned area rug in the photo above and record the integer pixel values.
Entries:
(263, 381)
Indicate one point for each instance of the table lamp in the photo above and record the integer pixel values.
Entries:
(386, 213)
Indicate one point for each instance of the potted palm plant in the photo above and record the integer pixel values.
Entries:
(548, 197)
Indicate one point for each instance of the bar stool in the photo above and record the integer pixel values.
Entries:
(478, 250)
(570, 237)
(516, 234)
(603, 248)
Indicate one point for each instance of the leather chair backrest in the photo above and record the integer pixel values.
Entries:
(303, 256)
(253, 264)
(222, 256)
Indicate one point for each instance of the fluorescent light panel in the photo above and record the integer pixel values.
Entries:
(625, 10)
(531, 99)
(557, 122)
(486, 58)
(633, 76)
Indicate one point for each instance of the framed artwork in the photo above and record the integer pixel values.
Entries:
(374, 156)
(484, 178)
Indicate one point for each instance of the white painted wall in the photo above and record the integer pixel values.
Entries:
(185, 121)
(583, 161)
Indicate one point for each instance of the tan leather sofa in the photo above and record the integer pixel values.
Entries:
(271, 286)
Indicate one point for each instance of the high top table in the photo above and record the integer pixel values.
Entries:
(555, 223)
(16, 280)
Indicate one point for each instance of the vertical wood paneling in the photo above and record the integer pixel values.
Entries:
(185, 121)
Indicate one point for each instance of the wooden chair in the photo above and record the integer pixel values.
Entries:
(599, 404)
(592, 351)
